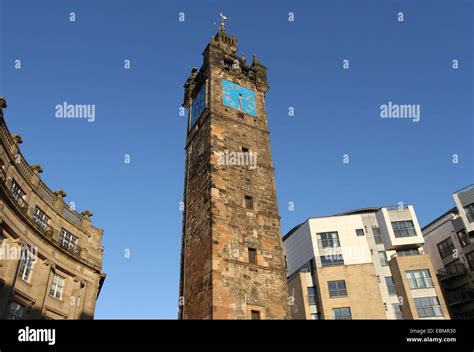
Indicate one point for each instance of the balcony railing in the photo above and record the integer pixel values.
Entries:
(20, 201)
(458, 297)
(71, 248)
(451, 271)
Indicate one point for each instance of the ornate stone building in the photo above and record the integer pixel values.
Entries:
(50, 255)
(232, 260)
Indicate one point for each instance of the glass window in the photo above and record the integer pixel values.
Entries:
(27, 260)
(398, 311)
(18, 194)
(311, 295)
(41, 219)
(383, 258)
(337, 288)
(377, 235)
(328, 240)
(446, 248)
(329, 260)
(470, 212)
(419, 279)
(403, 228)
(68, 241)
(407, 252)
(1, 238)
(343, 313)
(464, 238)
(428, 307)
(360, 232)
(390, 285)
(314, 316)
(57, 286)
(15, 311)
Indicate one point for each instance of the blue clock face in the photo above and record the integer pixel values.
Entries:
(198, 106)
(239, 98)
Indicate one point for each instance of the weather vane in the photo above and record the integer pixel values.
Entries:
(223, 19)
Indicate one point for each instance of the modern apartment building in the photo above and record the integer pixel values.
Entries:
(449, 240)
(50, 255)
(362, 264)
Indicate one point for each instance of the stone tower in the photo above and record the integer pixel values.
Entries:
(232, 259)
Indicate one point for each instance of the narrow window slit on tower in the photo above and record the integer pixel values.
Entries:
(249, 202)
(255, 315)
(252, 256)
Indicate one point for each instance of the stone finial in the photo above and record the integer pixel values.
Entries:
(37, 169)
(87, 214)
(256, 61)
(243, 58)
(60, 193)
(17, 139)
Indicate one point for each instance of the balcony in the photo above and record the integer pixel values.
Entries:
(74, 249)
(459, 297)
(20, 202)
(452, 271)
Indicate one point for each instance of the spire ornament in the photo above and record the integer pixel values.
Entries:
(223, 19)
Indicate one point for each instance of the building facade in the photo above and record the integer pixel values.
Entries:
(449, 240)
(50, 255)
(363, 264)
(232, 261)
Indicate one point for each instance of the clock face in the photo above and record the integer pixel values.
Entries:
(239, 98)
(198, 106)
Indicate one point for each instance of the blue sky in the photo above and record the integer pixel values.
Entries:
(336, 113)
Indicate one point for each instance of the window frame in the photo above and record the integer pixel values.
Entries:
(414, 281)
(469, 210)
(342, 316)
(311, 295)
(339, 290)
(12, 314)
(433, 305)
(57, 287)
(384, 260)
(392, 289)
(443, 246)
(464, 239)
(398, 230)
(326, 242)
(68, 241)
(40, 218)
(26, 266)
(377, 235)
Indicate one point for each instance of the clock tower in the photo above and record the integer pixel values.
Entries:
(232, 260)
